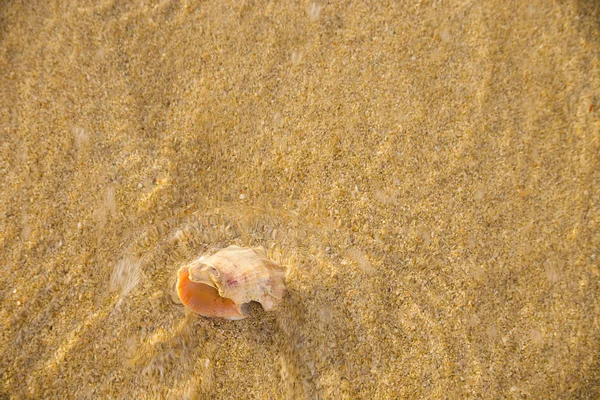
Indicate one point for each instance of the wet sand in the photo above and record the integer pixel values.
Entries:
(428, 173)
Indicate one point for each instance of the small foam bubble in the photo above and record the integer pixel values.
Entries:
(278, 119)
(551, 272)
(125, 276)
(536, 336)
(23, 154)
(81, 138)
(26, 230)
(297, 57)
(109, 200)
(473, 320)
(360, 258)
(445, 35)
(492, 332)
(314, 11)
(479, 195)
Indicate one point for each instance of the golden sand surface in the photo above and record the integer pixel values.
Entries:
(428, 172)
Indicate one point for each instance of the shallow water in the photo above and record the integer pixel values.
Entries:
(426, 172)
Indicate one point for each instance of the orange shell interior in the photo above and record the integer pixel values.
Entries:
(203, 299)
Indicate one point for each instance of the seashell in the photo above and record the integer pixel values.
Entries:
(222, 285)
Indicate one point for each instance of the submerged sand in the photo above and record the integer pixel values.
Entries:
(428, 172)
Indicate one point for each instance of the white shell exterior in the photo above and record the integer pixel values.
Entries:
(242, 275)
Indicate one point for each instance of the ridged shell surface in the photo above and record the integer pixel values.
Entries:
(242, 275)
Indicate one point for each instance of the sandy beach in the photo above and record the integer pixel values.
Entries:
(427, 172)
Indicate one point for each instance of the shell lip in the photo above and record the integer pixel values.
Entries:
(204, 299)
(203, 273)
